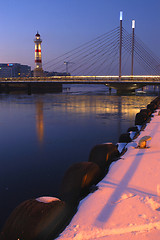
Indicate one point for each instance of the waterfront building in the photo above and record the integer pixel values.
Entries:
(14, 70)
(38, 71)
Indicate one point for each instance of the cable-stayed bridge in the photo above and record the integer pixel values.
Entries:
(100, 57)
(117, 59)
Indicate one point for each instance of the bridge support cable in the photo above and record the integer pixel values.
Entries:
(142, 61)
(81, 51)
(104, 60)
(81, 55)
(142, 44)
(99, 68)
(148, 58)
(110, 61)
(142, 55)
(145, 60)
(138, 57)
(81, 46)
(127, 52)
(97, 59)
(90, 56)
(127, 46)
(87, 55)
(109, 65)
(103, 56)
(126, 62)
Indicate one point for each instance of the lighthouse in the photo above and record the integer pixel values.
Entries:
(38, 71)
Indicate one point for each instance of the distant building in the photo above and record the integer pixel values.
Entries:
(14, 70)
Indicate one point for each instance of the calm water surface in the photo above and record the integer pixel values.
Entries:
(42, 135)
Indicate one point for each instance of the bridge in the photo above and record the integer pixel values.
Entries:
(118, 59)
(123, 84)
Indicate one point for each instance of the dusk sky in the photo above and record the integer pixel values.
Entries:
(66, 24)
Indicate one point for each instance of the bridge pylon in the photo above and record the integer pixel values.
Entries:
(133, 38)
(120, 47)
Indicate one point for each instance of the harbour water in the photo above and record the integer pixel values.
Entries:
(41, 135)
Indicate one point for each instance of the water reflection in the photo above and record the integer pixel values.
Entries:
(67, 126)
(101, 105)
(39, 120)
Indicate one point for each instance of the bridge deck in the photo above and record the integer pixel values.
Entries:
(86, 79)
(125, 84)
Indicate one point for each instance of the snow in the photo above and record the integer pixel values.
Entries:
(47, 199)
(127, 202)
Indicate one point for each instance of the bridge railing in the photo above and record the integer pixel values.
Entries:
(83, 79)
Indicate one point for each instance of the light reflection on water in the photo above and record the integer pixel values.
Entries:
(42, 135)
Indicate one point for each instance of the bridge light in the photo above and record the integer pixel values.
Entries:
(121, 15)
(133, 23)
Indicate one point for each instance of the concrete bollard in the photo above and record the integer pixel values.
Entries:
(77, 181)
(37, 219)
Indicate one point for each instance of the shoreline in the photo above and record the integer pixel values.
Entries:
(127, 202)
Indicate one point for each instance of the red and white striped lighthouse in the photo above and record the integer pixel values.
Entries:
(38, 71)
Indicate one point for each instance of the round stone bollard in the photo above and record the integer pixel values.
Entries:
(140, 118)
(37, 219)
(77, 181)
(125, 138)
(103, 155)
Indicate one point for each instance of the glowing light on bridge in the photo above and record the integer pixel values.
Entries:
(133, 23)
(121, 15)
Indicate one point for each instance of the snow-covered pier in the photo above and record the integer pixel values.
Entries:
(126, 204)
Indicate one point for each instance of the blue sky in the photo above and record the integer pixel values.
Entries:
(66, 24)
